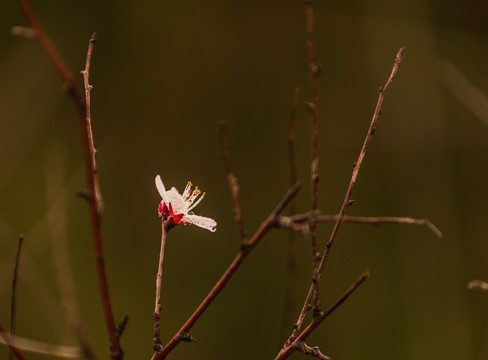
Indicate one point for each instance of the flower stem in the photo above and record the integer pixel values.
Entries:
(157, 305)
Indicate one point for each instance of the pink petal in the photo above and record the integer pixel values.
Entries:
(201, 221)
(161, 188)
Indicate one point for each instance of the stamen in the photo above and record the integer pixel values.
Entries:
(187, 192)
(194, 195)
(198, 201)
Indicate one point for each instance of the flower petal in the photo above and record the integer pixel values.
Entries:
(201, 221)
(180, 206)
(161, 188)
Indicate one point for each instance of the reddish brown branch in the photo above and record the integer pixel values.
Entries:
(94, 187)
(317, 320)
(227, 275)
(301, 222)
(157, 304)
(94, 199)
(233, 181)
(312, 108)
(53, 54)
(347, 199)
(10, 343)
(95, 205)
(14, 285)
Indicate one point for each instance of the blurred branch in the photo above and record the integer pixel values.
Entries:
(233, 182)
(463, 90)
(14, 287)
(314, 69)
(94, 201)
(24, 32)
(301, 222)
(8, 340)
(347, 199)
(61, 258)
(39, 347)
(478, 285)
(291, 268)
(263, 229)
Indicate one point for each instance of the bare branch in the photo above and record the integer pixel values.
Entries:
(312, 108)
(233, 181)
(40, 347)
(301, 222)
(94, 201)
(14, 286)
(8, 340)
(288, 349)
(347, 199)
(308, 350)
(227, 275)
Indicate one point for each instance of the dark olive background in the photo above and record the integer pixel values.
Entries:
(165, 74)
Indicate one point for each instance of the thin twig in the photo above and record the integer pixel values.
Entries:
(95, 204)
(291, 272)
(10, 343)
(347, 199)
(308, 350)
(314, 69)
(478, 285)
(316, 321)
(157, 305)
(116, 353)
(301, 222)
(227, 275)
(88, 125)
(14, 287)
(40, 347)
(233, 181)
(56, 196)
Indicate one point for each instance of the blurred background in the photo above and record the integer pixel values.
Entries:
(164, 75)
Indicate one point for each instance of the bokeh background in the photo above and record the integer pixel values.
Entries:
(165, 74)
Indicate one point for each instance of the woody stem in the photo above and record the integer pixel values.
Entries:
(157, 305)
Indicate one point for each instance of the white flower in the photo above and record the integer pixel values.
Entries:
(175, 209)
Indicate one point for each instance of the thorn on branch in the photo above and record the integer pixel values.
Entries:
(122, 326)
(316, 69)
(186, 337)
(84, 194)
(310, 106)
(350, 202)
